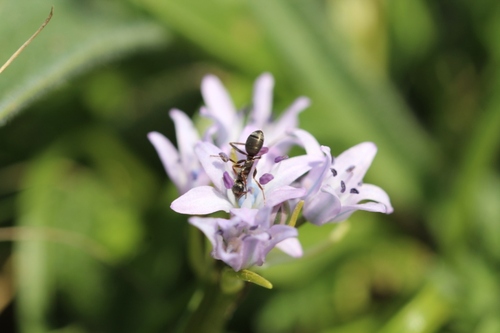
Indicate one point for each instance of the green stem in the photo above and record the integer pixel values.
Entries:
(217, 305)
(213, 312)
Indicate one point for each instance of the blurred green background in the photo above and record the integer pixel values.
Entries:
(88, 241)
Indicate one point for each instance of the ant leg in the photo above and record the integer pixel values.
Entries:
(224, 158)
(260, 186)
(233, 144)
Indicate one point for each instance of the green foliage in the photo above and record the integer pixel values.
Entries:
(85, 221)
(79, 36)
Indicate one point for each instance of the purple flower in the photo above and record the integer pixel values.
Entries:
(207, 199)
(230, 125)
(246, 238)
(182, 166)
(334, 188)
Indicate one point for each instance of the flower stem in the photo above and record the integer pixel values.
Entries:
(215, 309)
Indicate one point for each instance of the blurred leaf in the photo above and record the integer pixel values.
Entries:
(351, 106)
(80, 35)
(220, 27)
(101, 204)
(66, 196)
(426, 313)
(253, 277)
(412, 37)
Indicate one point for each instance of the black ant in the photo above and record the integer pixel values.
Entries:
(242, 168)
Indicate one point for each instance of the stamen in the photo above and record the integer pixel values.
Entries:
(333, 160)
(263, 151)
(265, 178)
(280, 158)
(228, 181)
(349, 169)
(253, 227)
(354, 191)
(224, 157)
(334, 172)
(342, 186)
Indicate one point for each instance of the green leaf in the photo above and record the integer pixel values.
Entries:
(425, 313)
(79, 37)
(249, 276)
(221, 28)
(350, 105)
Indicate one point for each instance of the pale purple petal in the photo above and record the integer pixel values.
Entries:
(292, 247)
(217, 99)
(314, 180)
(187, 135)
(219, 107)
(201, 200)
(170, 159)
(208, 155)
(373, 193)
(359, 156)
(322, 207)
(288, 119)
(346, 211)
(309, 142)
(287, 171)
(262, 100)
(279, 233)
(207, 225)
(247, 215)
(282, 194)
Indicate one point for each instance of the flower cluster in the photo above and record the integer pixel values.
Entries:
(239, 166)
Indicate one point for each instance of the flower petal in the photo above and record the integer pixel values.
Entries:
(170, 159)
(322, 207)
(187, 136)
(282, 194)
(289, 118)
(359, 156)
(373, 193)
(201, 200)
(208, 155)
(220, 106)
(207, 225)
(309, 142)
(346, 211)
(287, 171)
(291, 246)
(245, 214)
(314, 180)
(262, 100)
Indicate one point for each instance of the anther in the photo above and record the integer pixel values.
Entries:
(349, 169)
(224, 157)
(228, 181)
(265, 178)
(342, 186)
(280, 158)
(334, 172)
(354, 191)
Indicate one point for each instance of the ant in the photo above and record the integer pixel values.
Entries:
(242, 168)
